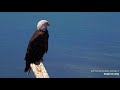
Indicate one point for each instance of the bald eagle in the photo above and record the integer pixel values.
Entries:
(37, 46)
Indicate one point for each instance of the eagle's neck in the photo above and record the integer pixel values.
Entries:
(42, 28)
(41, 32)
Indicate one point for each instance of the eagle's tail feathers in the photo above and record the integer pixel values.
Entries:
(27, 71)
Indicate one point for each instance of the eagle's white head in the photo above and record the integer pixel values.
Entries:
(42, 25)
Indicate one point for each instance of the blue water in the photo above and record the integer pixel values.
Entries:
(79, 42)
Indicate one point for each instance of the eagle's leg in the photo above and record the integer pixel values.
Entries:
(38, 62)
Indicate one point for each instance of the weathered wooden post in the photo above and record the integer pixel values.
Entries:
(39, 70)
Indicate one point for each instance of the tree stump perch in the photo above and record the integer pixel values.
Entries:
(39, 70)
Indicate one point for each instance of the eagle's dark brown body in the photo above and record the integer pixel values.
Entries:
(37, 47)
